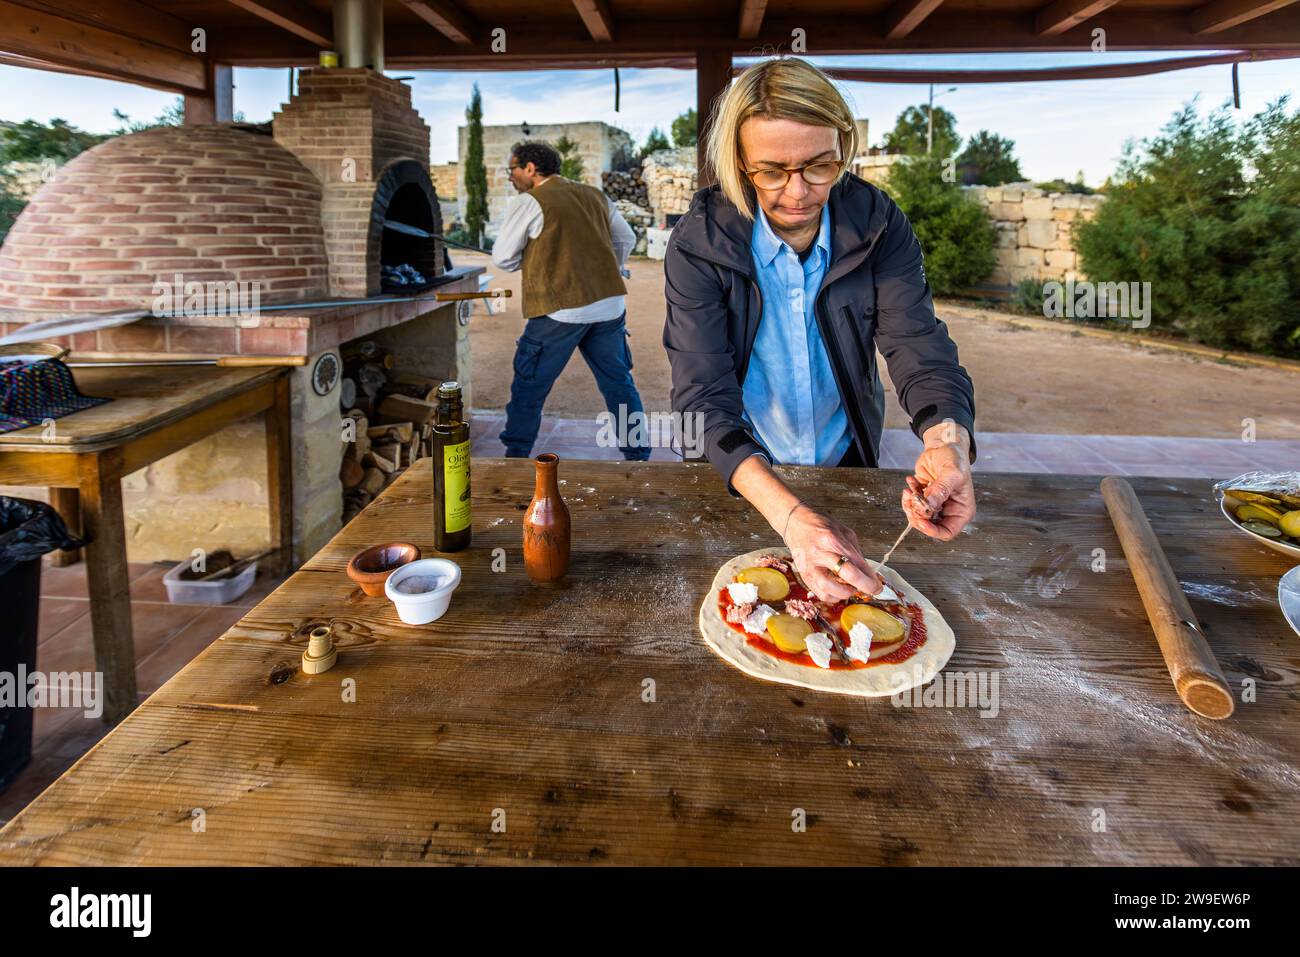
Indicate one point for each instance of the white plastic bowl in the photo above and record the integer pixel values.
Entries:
(424, 607)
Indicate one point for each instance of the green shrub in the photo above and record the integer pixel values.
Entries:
(1065, 186)
(11, 202)
(1208, 212)
(955, 232)
(990, 159)
(1027, 297)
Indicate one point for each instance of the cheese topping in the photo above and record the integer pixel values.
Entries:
(860, 635)
(886, 594)
(756, 623)
(819, 649)
(743, 593)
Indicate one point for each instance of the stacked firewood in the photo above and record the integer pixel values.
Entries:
(392, 417)
(625, 185)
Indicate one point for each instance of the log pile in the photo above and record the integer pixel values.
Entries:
(391, 423)
(626, 185)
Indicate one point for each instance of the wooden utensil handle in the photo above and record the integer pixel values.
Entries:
(252, 361)
(1197, 676)
(460, 296)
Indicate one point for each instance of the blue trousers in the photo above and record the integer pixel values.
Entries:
(541, 354)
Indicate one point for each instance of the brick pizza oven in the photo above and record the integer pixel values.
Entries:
(311, 211)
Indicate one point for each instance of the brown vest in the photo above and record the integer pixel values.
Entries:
(571, 262)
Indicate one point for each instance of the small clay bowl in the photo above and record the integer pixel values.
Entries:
(371, 567)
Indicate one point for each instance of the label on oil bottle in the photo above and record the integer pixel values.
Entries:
(456, 503)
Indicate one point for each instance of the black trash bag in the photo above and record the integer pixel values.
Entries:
(30, 529)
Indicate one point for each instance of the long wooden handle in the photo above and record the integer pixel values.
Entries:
(251, 361)
(1197, 676)
(460, 296)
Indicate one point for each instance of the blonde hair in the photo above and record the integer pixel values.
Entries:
(787, 89)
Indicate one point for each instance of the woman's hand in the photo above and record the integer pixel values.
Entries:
(940, 497)
(817, 543)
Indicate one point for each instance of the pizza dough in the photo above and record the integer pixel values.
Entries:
(873, 682)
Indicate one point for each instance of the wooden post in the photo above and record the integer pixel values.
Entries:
(712, 75)
(218, 106)
(109, 584)
(279, 479)
(67, 502)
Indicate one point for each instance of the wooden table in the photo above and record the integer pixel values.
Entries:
(526, 706)
(84, 456)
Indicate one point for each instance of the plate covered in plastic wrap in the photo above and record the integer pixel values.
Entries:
(1266, 506)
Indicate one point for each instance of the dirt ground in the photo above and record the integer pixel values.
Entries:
(1027, 378)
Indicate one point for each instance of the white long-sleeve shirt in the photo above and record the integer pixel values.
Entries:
(524, 220)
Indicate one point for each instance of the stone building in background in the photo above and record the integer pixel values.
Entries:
(602, 147)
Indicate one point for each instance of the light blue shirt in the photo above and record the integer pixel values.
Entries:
(791, 400)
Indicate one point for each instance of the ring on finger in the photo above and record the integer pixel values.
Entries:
(840, 564)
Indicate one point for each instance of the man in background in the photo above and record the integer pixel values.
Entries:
(572, 245)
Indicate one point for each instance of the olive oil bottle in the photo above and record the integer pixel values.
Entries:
(451, 496)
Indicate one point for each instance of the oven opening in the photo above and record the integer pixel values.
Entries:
(408, 251)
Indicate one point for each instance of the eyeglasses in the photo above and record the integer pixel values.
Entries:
(814, 174)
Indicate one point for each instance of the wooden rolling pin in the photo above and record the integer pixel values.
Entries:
(1197, 676)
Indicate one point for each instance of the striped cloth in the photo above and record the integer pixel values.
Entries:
(31, 392)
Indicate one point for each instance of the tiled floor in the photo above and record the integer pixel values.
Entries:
(168, 636)
(997, 451)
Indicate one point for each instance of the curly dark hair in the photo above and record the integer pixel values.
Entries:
(544, 156)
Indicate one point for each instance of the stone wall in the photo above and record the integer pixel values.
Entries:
(670, 180)
(1034, 238)
(875, 168)
(446, 180)
(599, 144)
(28, 177)
(639, 218)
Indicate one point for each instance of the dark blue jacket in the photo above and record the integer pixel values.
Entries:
(874, 296)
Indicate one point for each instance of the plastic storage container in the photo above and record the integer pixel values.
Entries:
(219, 592)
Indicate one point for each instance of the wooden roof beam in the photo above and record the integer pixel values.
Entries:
(751, 18)
(906, 15)
(1225, 14)
(297, 18)
(29, 33)
(126, 17)
(447, 18)
(597, 18)
(1055, 19)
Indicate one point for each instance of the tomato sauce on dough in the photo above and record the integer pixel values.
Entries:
(915, 637)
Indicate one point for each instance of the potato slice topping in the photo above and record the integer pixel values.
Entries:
(789, 633)
(885, 628)
(772, 584)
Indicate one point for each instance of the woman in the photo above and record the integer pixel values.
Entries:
(831, 267)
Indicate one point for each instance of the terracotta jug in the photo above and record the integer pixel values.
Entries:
(546, 525)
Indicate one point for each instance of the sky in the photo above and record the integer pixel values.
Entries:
(1059, 128)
